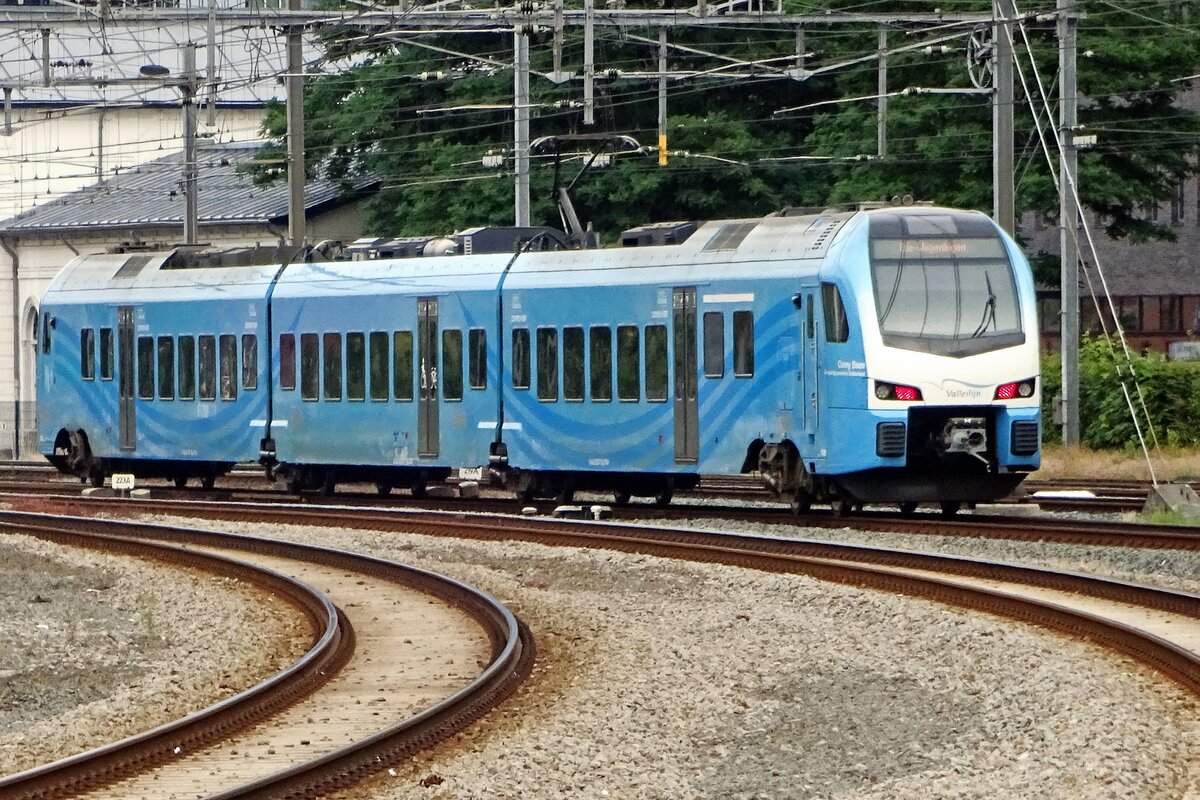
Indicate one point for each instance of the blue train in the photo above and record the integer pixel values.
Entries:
(876, 355)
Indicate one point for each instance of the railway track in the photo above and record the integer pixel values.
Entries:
(360, 697)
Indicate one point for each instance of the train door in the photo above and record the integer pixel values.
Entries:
(810, 367)
(427, 358)
(127, 410)
(687, 421)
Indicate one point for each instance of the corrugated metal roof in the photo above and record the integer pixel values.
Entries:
(151, 195)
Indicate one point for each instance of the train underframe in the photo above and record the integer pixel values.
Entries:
(73, 456)
(562, 485)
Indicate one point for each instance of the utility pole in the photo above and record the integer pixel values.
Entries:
(1068, 219)
(1004, 188)
(521, 124)
(662, 97)
(881, 111)
(295, 129)
(188, 90)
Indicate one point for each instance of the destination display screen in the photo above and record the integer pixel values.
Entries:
(933, 248)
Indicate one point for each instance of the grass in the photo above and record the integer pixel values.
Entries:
(1059, 461)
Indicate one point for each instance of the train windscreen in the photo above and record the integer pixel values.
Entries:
(943, 284)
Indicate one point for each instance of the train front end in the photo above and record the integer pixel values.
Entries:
(939, 397)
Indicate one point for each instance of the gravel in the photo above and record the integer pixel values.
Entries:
(658, 679)
(96, 647)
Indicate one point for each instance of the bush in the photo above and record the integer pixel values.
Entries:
(1169, 389)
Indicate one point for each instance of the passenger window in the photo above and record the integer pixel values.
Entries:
(477, 344)
(520, 358)
(356, 366)
(743, 344)
(810, 322)
(547, 364)
(714, 344)
(572, 370)
(837, 327)
(166, 368)
(287, 361)
(402, 365)
(310, 363)
(601, 358)
(208, 368)
(379, 365)
(331, 357)
(629, 385)
(187, 368)
(452, 366)
(145, 368)
(656, 363)
(249, 362)
(46, 332)
(87, 354)
(229, 367)
(106, 354)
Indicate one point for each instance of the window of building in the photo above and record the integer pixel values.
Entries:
(287, 361)
(380, 354)
(477, 344)
(229, 366)
(356, 366)
(572, 370)
(106, 354)
(714, 344)
(402, 365)
(837, 327)
(547, 364)
(600, 350)
(166, 368)
(187, 368)
(656, 363)
(743, 344)
(145, 368)
(520, 358)
(310, 366)
(331, 359)
(452, 364)
(249, 362)
(1177, 203)
(629, 385)
(87, 354)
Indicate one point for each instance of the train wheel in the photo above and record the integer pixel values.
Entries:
(843, 506)
(950, 509)
(180, 481)
(96, 477)
(566, 493)
(621, 497)
(328, 485)
(420, 490)
(908, 508)
(663, 498)
(384, 489)
(208, 481)
(801, 501)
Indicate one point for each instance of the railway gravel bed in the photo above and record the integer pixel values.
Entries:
(96, 647)
(659, 679)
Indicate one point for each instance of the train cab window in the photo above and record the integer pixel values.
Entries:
(145, 367)
(208, 367)
(249, 362)
(452, 364)
(46, 332)
(229, 367)
(331, 358)
(106, 354)
(837, 327)
(600, 350)
(166, 368)
(87, 354)
(380, 353)
(547, 364)
(356, 366)
(743, 344)
(572, 366)
(187, 368)
(310, 360)
(477, 345)
(287, 361)
(656, 363)
(629, 387)
(520, 358)
(402, 365)
(714, 344)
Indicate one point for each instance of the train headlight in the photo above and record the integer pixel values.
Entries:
(1009, 391)
(896, 391)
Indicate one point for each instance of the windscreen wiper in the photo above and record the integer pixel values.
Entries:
(989, 309)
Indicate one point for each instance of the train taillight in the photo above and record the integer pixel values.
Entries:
(1011, 391)
(895, 391)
